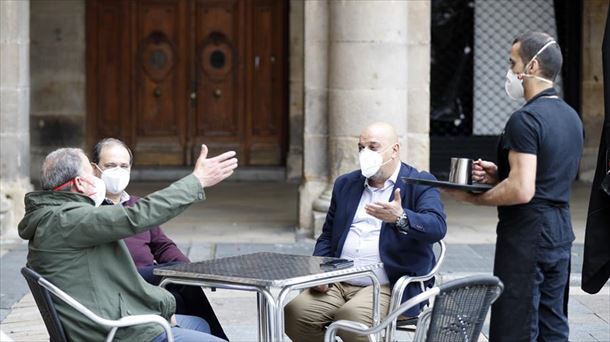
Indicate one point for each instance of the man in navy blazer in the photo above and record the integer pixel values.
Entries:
(373, 217)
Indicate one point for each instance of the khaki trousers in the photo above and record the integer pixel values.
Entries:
(310, 312)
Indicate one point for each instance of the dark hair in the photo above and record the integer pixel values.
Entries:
(97, 149)
(60, 166)
(550, 59)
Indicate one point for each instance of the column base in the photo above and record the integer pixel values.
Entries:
(320, 208)
(309, 192)
(11, 206)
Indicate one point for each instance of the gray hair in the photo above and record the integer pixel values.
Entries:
(550, 59)
(60, 166)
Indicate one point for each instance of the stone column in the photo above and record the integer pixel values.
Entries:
(315, 123)
(418, 84)
(14, 112)
(367, 80)
(294, 161)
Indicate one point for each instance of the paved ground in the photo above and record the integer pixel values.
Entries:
(241, 218)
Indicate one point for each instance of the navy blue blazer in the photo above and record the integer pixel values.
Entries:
(402, 254)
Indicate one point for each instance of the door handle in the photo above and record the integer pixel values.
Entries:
(257, 62)
(217, 93)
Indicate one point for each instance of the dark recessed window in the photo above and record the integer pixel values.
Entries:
(217, 59)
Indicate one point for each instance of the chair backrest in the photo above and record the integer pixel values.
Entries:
(45, 306)
(460, 308)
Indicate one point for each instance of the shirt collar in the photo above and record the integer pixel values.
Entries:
(547, 92)
(124, 198)
(389, 182)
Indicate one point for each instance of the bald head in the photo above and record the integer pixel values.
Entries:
(381, 132)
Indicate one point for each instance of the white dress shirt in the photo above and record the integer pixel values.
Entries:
(124, 198)
(362, 241)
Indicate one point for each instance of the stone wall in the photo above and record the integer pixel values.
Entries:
(592, 107)
(57, 57)
(14, 112)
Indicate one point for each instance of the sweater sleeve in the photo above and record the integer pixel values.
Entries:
(164, 249)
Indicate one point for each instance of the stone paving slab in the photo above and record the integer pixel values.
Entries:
(12, 285)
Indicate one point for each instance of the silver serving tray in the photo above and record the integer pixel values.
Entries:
(444, 184)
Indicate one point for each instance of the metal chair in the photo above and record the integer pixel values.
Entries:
(457, 315)
(399, 289)
(42, 289)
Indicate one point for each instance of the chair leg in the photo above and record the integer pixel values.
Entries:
(110, 336)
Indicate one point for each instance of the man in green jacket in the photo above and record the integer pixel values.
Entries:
(76, 244)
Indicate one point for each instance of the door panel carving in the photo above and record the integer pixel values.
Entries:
(168, 75)
(161, 73)
(110, 65)
(220, 107)
(267, 101)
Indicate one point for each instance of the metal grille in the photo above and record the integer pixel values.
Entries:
(451, 67)
(497, 23)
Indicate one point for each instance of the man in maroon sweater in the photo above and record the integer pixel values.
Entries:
(112, 161)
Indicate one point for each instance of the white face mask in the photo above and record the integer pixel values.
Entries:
(371, 162)
(514, 86)
(116, 179)
(100, 191)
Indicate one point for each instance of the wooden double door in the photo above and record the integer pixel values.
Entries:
(168, 75)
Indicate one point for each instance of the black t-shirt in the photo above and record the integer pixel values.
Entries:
(549, 128)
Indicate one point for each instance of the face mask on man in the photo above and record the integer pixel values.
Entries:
(371, 162)
(116, 179)
(100, 191)
(514, 86)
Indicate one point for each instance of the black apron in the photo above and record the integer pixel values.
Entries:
(522, 230)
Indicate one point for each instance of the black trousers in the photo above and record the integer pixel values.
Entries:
(533, 261)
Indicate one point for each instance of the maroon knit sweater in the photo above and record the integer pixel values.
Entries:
(152, 246)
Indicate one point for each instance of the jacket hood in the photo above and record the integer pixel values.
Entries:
(39, 204)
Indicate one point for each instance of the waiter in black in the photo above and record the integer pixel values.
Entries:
(538, 157)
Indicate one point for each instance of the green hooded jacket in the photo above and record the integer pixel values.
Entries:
(78, 247)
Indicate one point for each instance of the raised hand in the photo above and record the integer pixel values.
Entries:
(484, 172)
(386, 211)
(211, 171)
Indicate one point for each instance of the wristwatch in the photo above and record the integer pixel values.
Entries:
(402, 223)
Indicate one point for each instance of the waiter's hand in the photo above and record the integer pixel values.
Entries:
(386, 211)
(211, 171)
(321, 288)
(484, 172)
